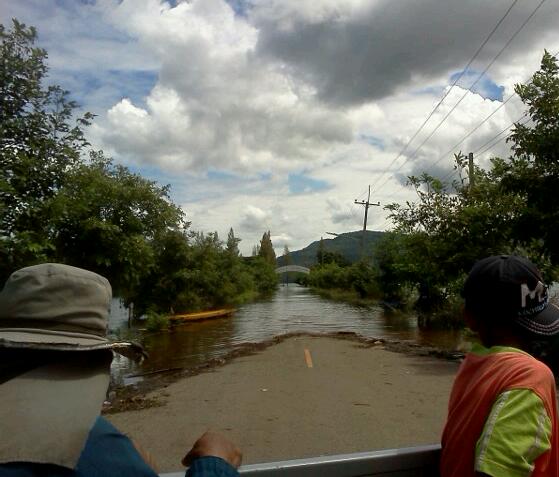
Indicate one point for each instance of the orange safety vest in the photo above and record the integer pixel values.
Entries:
(480, 379)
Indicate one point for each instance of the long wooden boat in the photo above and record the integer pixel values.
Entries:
(202, 315)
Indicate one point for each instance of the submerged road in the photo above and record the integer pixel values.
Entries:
(291, 309)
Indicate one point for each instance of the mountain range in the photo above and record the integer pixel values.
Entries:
(347, 244)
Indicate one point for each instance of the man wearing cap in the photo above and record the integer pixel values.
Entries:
(502, 414)
(54, 373)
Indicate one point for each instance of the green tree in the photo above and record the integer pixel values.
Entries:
(266, 250)
(162, 288)
(232, 244)
(445, 231)
(38, 146)
(264, 275)
(106, 219)
(286, 256)
(325, 256)
(533, 171)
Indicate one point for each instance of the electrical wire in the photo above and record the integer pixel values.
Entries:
(453, 148)
(447, 92)
(469, 89)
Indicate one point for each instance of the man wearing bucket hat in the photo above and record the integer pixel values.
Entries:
(502, 414)
(54, 373)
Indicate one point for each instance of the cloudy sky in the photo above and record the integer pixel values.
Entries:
(277, 114)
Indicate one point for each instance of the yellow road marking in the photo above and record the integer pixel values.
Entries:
(308, 358)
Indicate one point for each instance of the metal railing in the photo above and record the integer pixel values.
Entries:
(420, 461)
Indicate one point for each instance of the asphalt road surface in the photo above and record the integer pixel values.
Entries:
(304, 397)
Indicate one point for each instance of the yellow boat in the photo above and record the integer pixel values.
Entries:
(203, 315)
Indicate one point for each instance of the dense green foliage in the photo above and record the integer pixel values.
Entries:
(107, 219)
(266, 249)
(61, 202)
(334, 273)
(533, 171)
(197, 271)
(360, 278)
(38, 145)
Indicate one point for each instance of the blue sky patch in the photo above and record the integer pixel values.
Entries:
(216, 175)
(373, 141)
(485, 87)
(240, 7)
(152, 172)
(302, 184)
(431, 90)
(98, 91)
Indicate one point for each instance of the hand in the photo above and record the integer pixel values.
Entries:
(216, 445)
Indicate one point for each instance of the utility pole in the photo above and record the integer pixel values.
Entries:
(471, 170)
(367, 204)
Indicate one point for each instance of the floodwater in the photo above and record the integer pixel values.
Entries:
(292, 309)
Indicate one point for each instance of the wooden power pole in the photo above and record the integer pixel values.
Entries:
(367, 204)
(471, 170)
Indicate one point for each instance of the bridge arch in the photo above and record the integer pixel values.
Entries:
(292, 268)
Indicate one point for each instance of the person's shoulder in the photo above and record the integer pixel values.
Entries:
(531, 362)
(515, 367)
(527, 371)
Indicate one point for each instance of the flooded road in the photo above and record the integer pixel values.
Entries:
(292, 309)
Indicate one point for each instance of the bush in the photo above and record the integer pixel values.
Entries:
(363, 279)
(360, 279)
(156, 321)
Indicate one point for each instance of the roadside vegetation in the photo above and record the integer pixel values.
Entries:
(61, 201)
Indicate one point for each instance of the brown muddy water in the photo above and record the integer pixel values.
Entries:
(292, 309)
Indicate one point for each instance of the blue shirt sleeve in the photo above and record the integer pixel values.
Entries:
(210, 466)
(109, 452)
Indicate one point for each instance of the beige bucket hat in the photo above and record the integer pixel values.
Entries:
(58, 307)
(48, 411)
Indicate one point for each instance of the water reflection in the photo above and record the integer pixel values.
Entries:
(292, 309)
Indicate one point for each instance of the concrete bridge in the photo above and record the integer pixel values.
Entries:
(292, 268)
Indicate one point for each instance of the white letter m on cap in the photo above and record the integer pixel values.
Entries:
(540, 291)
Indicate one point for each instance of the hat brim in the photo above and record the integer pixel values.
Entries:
(545, 323)
(36, 409)
(49, 340)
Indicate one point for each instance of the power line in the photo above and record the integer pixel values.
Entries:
(449, 90)
(453, 148)
(480, 76)
(490, 143)
(470, 88)
(481, 149)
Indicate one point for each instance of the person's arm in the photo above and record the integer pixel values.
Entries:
(213, 456)
(516, 433)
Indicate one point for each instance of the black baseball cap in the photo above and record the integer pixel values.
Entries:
(509, 286)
